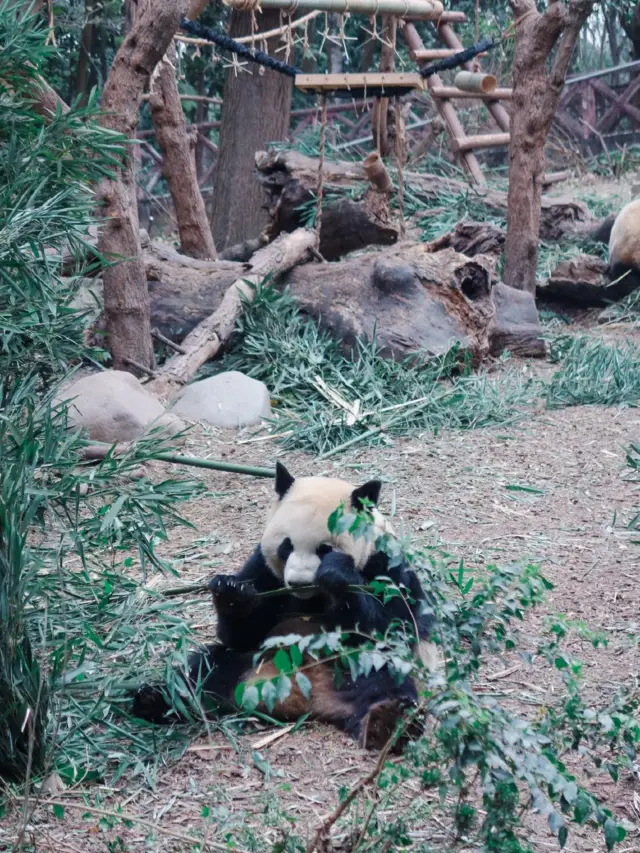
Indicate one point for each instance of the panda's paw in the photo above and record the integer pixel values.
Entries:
(336, 572)
(231, 594)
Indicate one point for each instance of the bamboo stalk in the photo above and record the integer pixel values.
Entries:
(99, 449)
(214, 465)
(427, 10)
(454, 92)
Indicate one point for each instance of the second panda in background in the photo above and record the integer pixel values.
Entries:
(624, 251)
(297, 551)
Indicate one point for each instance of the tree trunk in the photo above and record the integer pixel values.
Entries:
(256, 111)
(632, 30)
(86, 77)
(177, 142)
(536, 93)
(126, 297)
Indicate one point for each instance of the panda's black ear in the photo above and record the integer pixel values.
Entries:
(370, 491)
(284, 480)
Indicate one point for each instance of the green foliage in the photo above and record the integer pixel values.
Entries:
(62, 523)
(474, 745)
(593, 372)
(279, 346)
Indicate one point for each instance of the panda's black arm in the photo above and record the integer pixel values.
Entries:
(244, 618)
(348, 608)
(411, 606)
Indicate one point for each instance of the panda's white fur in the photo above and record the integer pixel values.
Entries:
(624, 244)
(302, 515)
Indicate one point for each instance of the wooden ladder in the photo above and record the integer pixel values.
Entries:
(464, 146)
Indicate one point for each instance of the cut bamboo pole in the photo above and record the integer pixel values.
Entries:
(470, 81)
(445, 18)
(482, 140)
(445, 108)
(377, 174)
(426, 10)
(453, 92)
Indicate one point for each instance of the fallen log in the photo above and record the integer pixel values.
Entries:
(583, 280)
(289, 179)
(413, 299)
(205, 339)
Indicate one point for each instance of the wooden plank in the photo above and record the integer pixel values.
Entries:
(331, 82)
(446, 109)
(453, 92)
(482, 140)
(427, 10)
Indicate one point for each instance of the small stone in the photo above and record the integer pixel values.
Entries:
(114, 406)
(229, 399)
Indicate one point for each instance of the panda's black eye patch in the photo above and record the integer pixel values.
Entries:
(285, 549)
(323, 550)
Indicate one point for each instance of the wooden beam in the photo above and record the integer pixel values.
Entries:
(609, 119)
(453, 92)
(426, 10)
(609, 94)
(482, 140)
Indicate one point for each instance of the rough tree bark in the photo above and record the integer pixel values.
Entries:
(126, 297)
(536, 92)
(256, 111)
(631, 26)
(177, 142)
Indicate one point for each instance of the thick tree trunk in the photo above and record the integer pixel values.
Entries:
(177, 142)
(536, 93)
(256, 111)
(631, 27)
(126, 297)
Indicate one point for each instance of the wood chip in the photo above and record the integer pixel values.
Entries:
(503, 673)
(267, 740)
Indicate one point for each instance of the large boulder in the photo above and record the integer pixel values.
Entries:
(114, 406)
(229, 399)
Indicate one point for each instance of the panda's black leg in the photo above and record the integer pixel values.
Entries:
(379, 703)
(214, 673)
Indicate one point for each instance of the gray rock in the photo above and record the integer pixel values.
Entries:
(227, 400)
(113, 406)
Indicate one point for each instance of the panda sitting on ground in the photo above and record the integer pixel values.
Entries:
(297, 550)
(624, 251)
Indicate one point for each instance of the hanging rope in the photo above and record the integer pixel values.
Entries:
(226, 43)
(459, 58)
(320, 182)
(400, 144)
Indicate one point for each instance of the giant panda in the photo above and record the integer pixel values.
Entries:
(624, 251)
(295, 552)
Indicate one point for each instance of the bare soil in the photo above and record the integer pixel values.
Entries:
(453, 489)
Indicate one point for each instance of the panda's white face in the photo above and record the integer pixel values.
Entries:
(297, 536)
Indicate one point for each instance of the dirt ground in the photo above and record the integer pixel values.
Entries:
(451, 489)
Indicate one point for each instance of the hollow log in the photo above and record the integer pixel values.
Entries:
(415, 300)
(289, 180)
